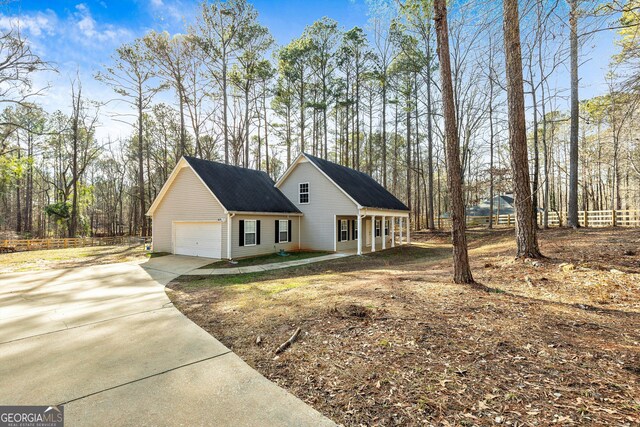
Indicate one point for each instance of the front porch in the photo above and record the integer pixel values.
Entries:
(380, 230)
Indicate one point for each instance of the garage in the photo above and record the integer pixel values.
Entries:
(203, 239)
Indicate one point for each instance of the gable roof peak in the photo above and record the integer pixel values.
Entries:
(362, 188)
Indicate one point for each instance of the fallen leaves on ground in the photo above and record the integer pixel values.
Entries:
(389, 340)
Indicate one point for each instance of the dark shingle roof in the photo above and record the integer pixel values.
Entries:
(240, 189)
(361, 187)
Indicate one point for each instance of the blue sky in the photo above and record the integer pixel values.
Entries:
(80, 35)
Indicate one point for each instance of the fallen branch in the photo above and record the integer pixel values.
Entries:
(290, 341)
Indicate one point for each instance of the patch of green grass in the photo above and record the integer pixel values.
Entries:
(157, 254)
(391, 257)
(266, 259)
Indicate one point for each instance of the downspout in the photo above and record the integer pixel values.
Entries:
(299, 221)
(229, 222)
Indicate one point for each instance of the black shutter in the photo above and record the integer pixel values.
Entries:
(339, 231)
(257, 232)
(277, 227)
(353, 230)
(240, 232)
(289, 231)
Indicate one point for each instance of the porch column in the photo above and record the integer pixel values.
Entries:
(229, 229)
(392, 224)
(400, 227)
(359, 233)
(408, 231)
(384, 236)
(373, 233)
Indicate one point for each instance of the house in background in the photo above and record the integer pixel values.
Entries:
(214, 210)
(503, 204)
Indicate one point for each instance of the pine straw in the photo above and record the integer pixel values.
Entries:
(399, 344)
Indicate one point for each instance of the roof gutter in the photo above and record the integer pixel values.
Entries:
(266, 213)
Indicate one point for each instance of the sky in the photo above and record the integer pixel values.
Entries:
(80, 36)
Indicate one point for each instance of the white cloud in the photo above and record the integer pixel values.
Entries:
(90, 31)
(35, 24)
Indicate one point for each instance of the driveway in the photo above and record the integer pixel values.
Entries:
(106, 342)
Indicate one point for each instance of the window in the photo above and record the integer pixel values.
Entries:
(344, 230)
(378, 228)
(355, 230)
(283, 231)
(386, 228)
(250, 232)
(304, 192)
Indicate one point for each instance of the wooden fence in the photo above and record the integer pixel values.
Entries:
(605, 218)
(38, 244)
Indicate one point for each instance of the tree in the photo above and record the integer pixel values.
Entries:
(526, 238)
(216, 31)
(131, 77)
(83, 148)
(253, 41)
(293, 62)
(171, 56)
(572, 211)
(324, 37)
(461, 267)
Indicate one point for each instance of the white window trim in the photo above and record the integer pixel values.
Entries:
(286, 230)
(307, 193)
(344, 229)
(254, 232)
(378, 230)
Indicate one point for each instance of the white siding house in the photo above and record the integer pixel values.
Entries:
(214, 210)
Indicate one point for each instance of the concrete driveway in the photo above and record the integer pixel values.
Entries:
(106, 342)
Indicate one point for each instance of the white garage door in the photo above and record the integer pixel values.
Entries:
(202, 239)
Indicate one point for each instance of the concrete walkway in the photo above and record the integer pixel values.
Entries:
(263, 267)
(106, 342)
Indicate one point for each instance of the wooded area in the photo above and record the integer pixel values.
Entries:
(370, 98)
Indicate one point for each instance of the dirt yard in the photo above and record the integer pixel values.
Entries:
(70, 257)
(389, 340)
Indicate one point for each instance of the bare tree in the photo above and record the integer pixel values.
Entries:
(526, 238)
(462, 269)
(131, 77)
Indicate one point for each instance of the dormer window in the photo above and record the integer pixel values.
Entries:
(304, 193)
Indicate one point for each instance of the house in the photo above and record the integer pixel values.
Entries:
(215, 210)
(503, 204)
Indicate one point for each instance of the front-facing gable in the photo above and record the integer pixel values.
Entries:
(236, 189)
(362, 189)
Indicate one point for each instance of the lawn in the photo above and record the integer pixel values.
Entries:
(69, 257)
(389, 340)
(265, 259)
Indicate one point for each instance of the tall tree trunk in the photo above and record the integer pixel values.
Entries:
(302, 112)
(225, 107)
(408, 146)
(572, 211)
(491, 147)
(75, 135)
(526, 239)
(430, 206)
(143, 222)
(246, 124)
(461, 267)
(536, 155)
(384, 129)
